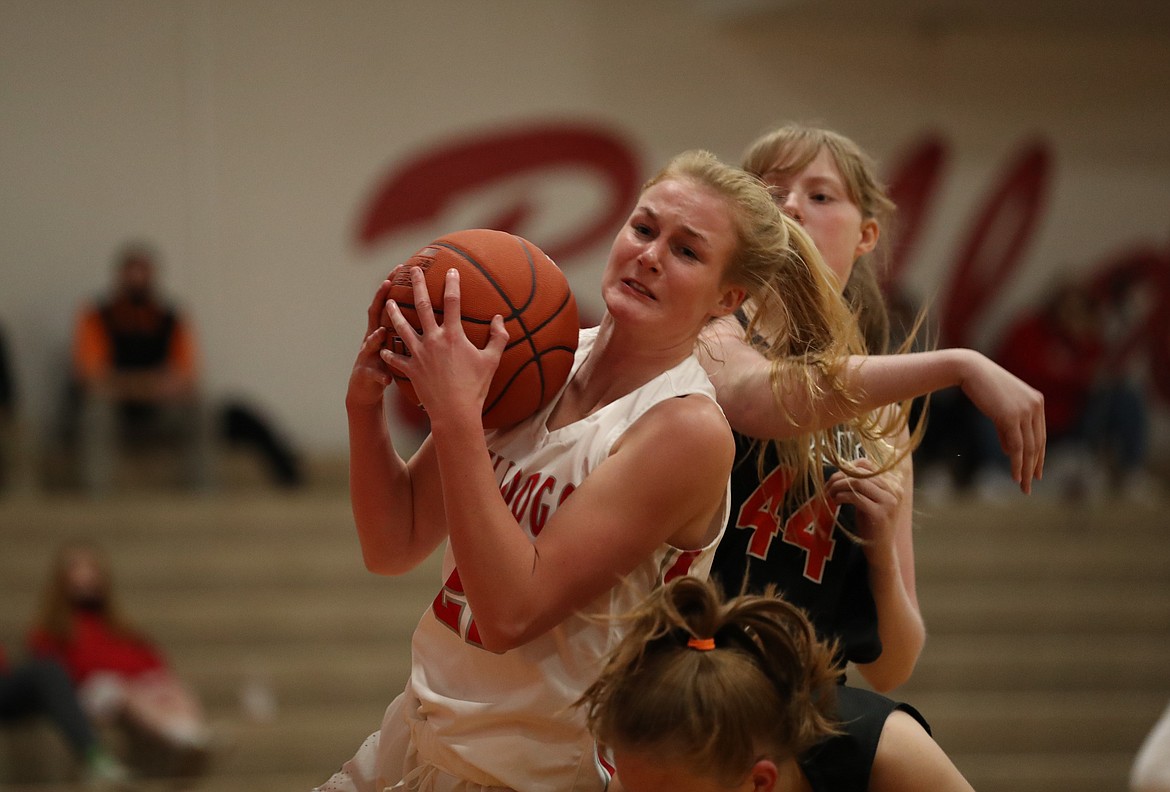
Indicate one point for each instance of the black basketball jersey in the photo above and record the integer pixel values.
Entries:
(842, 763)
(802, 549)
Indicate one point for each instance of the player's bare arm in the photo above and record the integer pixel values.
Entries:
(664, 482)
(384, 489)
(909, 760)
(743, 382)
(885, 505)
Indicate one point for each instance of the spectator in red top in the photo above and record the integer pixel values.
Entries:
(1096, 419)
(135, 364)
(40, 686)
(1060, 348)
(120, 675)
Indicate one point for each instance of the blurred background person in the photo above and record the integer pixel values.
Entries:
(122, 678)
(135, 370)
(1098, 426)
(8, 434)
(41, 686)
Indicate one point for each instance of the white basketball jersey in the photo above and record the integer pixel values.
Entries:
(510, 715)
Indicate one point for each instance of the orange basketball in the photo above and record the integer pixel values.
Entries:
(500, 273)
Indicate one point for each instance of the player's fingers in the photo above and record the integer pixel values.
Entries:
(422, 301)
(380, 375)
(497, 337)
(451, 302)
(1030, 455)
(397, 362)
(853, 497)
(848, 489)
(404, 333)
(376, 313)
(374, 339)
(887, 486)
(396, 354)
(1012, 441)
(864, 464)
(1041, 432)
(876, 490)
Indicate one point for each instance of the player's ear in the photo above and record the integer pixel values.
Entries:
(732, 297)
(870, 233)
(763, 776)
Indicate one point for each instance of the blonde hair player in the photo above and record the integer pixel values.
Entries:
(565, 520)
(708, 695)
(801, 538)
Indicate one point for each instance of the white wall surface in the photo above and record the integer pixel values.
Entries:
(244, 137)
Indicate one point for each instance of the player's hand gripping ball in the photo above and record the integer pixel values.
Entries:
(499, 273)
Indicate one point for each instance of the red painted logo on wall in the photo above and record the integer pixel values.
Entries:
(986, 264)
(425, 186)
(422, 188)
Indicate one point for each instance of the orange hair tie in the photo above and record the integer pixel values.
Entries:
(702, 644)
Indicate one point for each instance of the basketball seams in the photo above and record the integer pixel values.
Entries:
(541, 319)
(516, 310)
(538, 361)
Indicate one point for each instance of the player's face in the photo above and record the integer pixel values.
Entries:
(817, 199)
(648, 772)
(668, 263)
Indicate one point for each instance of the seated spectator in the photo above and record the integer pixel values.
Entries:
(16, 463)
(1097, 420)
(243, 425)
(135, 366)
(41, 686)
(7, 416)
(121, 676)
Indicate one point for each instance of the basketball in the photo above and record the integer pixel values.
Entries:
(499, 273)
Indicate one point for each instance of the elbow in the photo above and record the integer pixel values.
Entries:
(376, 563)
(890, 671)
(883, 680)
(380, 561)
(497, 644)
(508, 626)
(499, 636)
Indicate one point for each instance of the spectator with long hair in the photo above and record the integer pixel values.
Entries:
(122, 677)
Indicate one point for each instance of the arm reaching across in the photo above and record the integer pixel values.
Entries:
(747, 391)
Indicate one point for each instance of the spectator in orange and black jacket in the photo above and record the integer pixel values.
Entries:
(135, 365)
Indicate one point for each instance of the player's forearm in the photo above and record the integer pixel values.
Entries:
(878, 380)
(900, 624)
(869, 382)
(380, 493)
(784, 400)
(496, 560)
